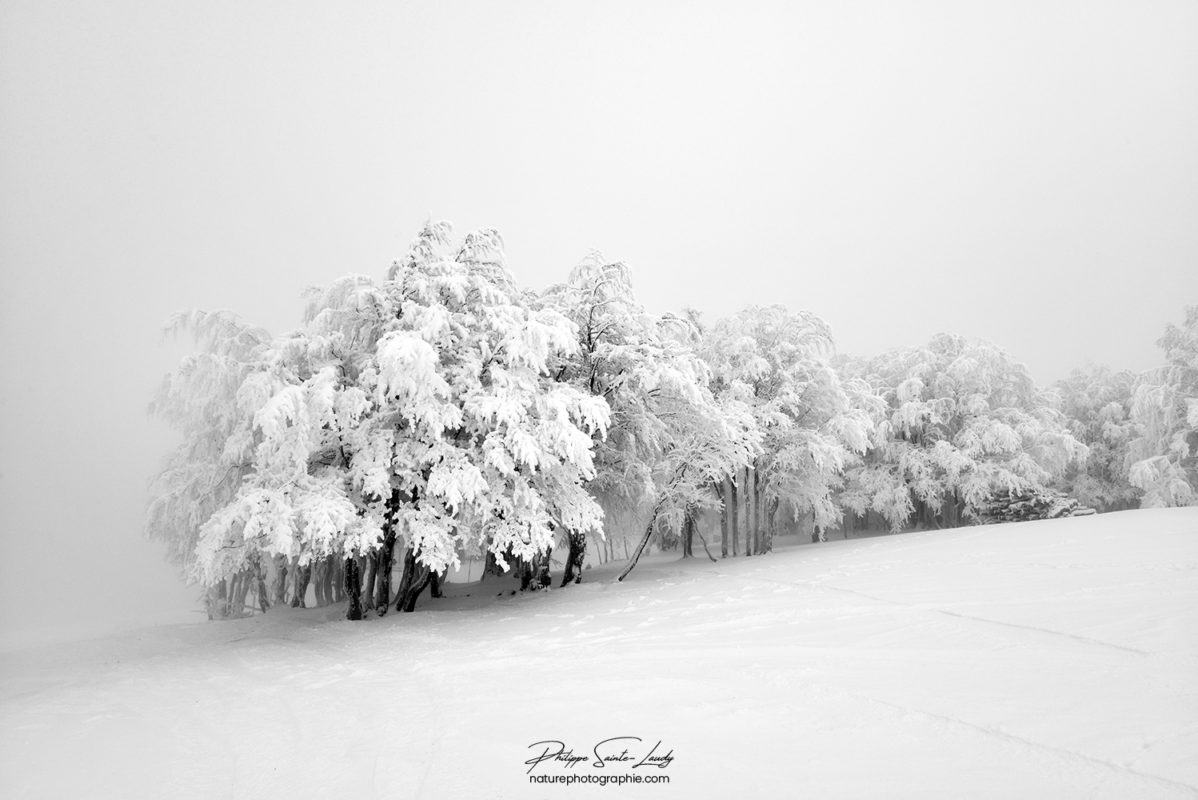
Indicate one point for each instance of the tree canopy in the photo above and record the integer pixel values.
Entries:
(1165, 407)
(446, 410)
(961, 422)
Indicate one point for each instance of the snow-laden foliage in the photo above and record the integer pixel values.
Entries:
(670, 439)
(444, 410)
(962, 422)
(1096, 403)
(812, 425)
(434, 383)
(1164, 456)
(200, 398)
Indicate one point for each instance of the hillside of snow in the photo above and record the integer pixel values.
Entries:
(1046, 659)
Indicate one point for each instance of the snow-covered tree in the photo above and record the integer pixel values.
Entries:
(1096, 403)
(812, 425)
(1164, 456)
(295, 505)
(669, 439)
(963, 422)
(422, 406)
(205, 471)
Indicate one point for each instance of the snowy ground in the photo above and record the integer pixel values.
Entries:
(1050, 659)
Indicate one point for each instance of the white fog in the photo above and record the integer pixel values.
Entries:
(1021, 173)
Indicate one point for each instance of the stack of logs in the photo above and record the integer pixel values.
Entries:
(1030, 504)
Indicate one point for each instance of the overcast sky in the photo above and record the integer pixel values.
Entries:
(1024, 172)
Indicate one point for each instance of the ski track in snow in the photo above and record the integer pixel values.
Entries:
(1059, 751)
(959, 615)
(1034, 660)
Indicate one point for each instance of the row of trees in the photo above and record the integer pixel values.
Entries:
(443, 414)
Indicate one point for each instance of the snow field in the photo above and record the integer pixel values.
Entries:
(1046, 659)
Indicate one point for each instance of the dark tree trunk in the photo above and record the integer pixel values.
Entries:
(534, 573)
(416, 576)
(575, 558)
(771, 523)
(242, 584)
(303, 574)
(386, 555)
(640, 548)
(330, 573)
(544, 562)
(925, 517)
(339, 580)
(230, 592)
(722, 490)
(706, 549)
(329, 580)
(688, 535)
(372, 567)
(435, 579)
(386, 558)
(758, 534)
(751, 511)
(748, 494)
(405, 577)
(953, 511)
(280, 580)
(733, 517)
(218, 607)
(260, 581)
(353, 588)
(319, 571)
(644, 542)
